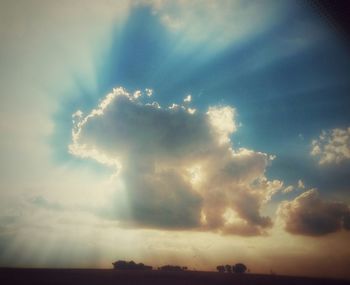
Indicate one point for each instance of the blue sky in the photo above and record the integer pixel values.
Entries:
(262, 141)
(287, 82)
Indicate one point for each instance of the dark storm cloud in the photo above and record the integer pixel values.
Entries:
(309, 215)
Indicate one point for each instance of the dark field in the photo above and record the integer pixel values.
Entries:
(109, 276)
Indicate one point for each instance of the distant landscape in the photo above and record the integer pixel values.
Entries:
(111, 276)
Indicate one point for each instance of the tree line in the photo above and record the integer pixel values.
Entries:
(237, 268)
(131, 265)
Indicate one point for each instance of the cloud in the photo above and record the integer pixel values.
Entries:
(222, 119)
(158, 199)
(176, 168)
(42, 202)
(230, 21)
(332, 147)
(188, 98)
(301, 184)
(288, 189)
(309, 215)
(149, 92)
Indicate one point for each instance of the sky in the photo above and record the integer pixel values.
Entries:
(195, 133)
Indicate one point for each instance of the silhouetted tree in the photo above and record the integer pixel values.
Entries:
(172, 268)
(228, 268)
(124, 265)
(220, 268)
(240, 268)
(120, 264)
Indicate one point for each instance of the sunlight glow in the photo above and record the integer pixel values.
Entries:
(196, 175)
(231, 217)
(157, 172)
(82, 150)
(223, 120)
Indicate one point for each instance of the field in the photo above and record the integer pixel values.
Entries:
(109, 276)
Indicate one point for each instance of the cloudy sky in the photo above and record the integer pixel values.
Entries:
(174, 132)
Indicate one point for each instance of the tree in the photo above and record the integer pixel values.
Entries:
(171, 268)
(131, 265)
(220, 268)
(240, 268)
(228, 268)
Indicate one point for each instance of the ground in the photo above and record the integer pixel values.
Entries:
(106, 277)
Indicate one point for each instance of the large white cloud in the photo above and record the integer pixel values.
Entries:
(178, 168)
(332, 147)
